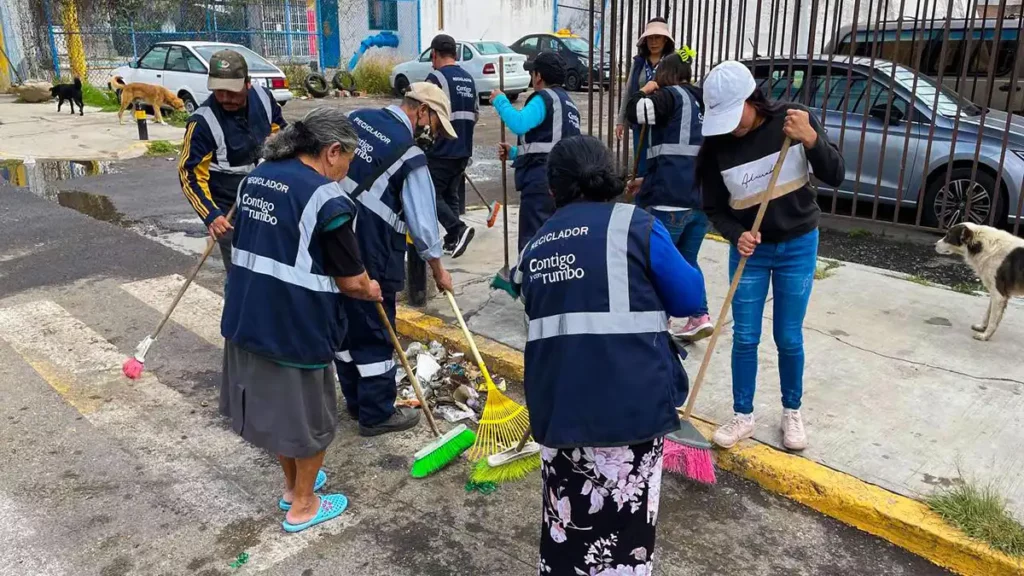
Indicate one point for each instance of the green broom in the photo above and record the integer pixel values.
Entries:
(509, 465)
(446, 447)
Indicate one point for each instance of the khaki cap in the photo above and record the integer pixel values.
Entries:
(436, 100)
(228, 71)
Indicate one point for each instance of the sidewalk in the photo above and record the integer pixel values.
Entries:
(897, 392)
(39, 131)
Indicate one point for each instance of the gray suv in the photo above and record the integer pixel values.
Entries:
(864, 96)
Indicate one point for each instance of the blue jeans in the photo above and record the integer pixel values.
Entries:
(687, 229)
(790, 268)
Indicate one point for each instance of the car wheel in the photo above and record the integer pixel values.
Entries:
(316, 85)
(572, 81)
(190, 103)
(513, 96)
(401, 85)
(945, 206)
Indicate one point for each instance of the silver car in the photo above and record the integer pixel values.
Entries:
(830, 86)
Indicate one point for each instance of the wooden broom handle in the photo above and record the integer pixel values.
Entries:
(408, 369)
(636, 156)
(191, 276)
(469, 337)
(766, 196)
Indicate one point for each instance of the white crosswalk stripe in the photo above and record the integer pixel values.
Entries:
(199, 310)
(155, 424)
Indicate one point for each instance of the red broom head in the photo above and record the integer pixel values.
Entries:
(693, 463)
(493, 216)
(132, 368)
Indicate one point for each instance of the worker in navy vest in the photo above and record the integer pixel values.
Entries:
(390, 183)
(223, 141)
(602, 375)
(294, 254)
(672, 109)
(548, 116)
(653, 45)
(448, 159)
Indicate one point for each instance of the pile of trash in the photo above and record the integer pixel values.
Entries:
(453, 387)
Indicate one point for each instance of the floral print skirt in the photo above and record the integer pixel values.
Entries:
(600, 510)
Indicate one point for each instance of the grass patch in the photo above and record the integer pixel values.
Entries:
(967, 287)
(296, 75)
(858, 233)
(373, 74)
(918, 280)
(162, 148)
(176, 118)
(980, 512)
(100, 98)
(826, 271)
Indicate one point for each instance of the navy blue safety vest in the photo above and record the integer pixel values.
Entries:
(279, 302)
(601, 369)
(672, 156)
(461, 91)
(561, 120)
(385, 143)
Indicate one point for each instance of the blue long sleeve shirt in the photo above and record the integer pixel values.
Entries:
(679, 285)
(519, 121)
(418, 203)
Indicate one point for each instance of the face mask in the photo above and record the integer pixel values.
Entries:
(424, 136)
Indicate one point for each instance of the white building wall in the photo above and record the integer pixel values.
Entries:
(502, 20)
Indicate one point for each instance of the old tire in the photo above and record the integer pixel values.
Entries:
(982, 193)
(190, 103)
(343, 80)
(316, 85)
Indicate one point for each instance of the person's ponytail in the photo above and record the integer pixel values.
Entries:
(582, 167)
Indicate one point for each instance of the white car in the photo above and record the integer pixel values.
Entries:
(181, 67)
(480, 59)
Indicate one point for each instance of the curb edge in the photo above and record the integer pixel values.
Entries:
(903, 521)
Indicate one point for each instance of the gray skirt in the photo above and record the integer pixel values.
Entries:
(287, 411)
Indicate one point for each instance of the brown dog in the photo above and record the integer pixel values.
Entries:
(155, 96)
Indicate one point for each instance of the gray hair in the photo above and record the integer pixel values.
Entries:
(320, 128)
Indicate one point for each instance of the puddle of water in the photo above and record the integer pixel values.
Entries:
(95, 205)
(40, 175)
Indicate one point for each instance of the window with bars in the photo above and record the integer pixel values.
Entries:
(383, 14)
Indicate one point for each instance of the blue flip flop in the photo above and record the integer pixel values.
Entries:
(331, 506)
(321, 479)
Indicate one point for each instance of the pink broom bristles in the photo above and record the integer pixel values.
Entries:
(694, 463)
(132, 368)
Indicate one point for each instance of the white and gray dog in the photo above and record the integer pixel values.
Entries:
(997, 257)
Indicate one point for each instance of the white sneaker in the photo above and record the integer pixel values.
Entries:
(793, 435)
(739, 428)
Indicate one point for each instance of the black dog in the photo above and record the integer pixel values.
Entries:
(70, 92)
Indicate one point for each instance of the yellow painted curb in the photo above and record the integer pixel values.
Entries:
(903, 521)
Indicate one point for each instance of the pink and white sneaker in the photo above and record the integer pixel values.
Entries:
(696, 328)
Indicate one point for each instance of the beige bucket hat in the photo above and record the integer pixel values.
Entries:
(655, 29)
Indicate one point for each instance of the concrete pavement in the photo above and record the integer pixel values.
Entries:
(39, 131)
(110, 477)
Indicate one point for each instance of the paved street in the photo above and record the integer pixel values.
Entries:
(107, 476)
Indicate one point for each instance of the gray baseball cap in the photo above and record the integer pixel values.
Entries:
(228, 71)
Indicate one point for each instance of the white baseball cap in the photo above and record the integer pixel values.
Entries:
(726, 88)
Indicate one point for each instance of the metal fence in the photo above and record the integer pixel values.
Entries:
(89, 38)
(913, 92)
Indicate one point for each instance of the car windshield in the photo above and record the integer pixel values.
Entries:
(255, 62)
(490, 48)
(577, 45)
(927, 90)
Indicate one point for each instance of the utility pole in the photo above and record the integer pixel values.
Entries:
(440, 14)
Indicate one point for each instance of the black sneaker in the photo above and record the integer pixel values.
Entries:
(463, 242)
(403, 419)
(448, 248)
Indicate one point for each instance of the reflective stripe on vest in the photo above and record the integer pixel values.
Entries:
(458, 115)
(264, 96)
(283, 272)
(463, 115)
(371, 197)
(365, 370)
(556, 127)
(618, 319)
(222, 164)
(681, 148)
(308, 221)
